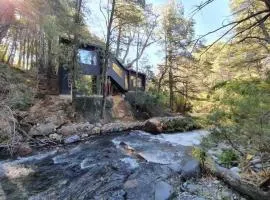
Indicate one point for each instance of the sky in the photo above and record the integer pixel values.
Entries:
(209, 19)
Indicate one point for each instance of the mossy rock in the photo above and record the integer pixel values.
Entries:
(180, 124)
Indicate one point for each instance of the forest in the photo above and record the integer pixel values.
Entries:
(222, 86)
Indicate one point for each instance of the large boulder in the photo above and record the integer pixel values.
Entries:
(153, 126)
(72, 129)
(191, 169)
(43, 129)
(163, 191)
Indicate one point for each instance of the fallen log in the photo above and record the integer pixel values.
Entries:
(234, 180)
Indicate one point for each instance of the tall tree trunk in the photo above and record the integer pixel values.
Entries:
(75, 49)
(6, 50)
(118, 42)
(170, 80)
(165, 68)
(28, 53)
(24, 50)
(32, 53)
(20, 50)
(13, 47)
(50, 67)
(106, 62)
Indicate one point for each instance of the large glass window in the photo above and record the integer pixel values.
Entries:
(87, 57)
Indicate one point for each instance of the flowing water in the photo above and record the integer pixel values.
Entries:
(128, 166)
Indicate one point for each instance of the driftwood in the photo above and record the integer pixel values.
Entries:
(236, 183)
(265, 183)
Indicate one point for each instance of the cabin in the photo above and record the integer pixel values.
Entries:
(90, 57)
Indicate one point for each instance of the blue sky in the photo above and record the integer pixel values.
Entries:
(210, 18)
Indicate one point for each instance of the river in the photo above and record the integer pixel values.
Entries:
(135, 166)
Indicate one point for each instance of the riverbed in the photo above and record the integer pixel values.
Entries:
(136, 166)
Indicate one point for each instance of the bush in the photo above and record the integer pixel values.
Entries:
(228, 157)
(200, 155)
(181, 125)
(242, 113)
(15, 90)
(145, 105)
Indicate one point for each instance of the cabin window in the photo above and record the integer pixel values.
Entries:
(87, 57)
(133, 81)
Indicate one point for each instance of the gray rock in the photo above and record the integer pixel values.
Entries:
(72, 139)
(153, 126)
(193, 188)
(256, 161)
(258, 166)
(118, 195)
(191, 169)
(85, 135)
(163, 191)
(42, 129)
(98, 125)
(225, 194)
(199, 198)
(176, 167)
(235, 170)
(96, 130)
(56, 137)
(74, 128)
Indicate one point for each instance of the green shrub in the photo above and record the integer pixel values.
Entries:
(181, 125)
(145, 105)
(20, 97)
(228, 157)
(16, 89)
(199, 154)
(242, 113)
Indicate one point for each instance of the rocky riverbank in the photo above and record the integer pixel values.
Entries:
(135, 165)
(50, 133)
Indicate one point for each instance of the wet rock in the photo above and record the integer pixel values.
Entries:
(42, 129)
(176, 167)
(191, 169)
(118, 195)
(192, 188)
(163, 191)
(131, 184)
(96, 130)
(72, 139)
(85, 135)
(56, 137)
(226, 194)
(153, 126)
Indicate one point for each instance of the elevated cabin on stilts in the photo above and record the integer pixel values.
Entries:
(90, 57)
